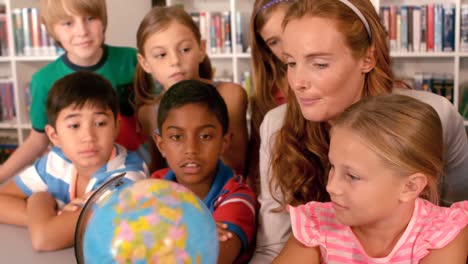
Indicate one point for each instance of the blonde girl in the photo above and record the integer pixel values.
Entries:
(386, 156)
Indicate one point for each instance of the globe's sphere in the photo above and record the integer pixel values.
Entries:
(149, 221)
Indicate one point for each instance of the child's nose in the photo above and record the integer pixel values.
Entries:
(175, 60)
(82, 28)
(88, 134)
(191, 147)
(333, 184)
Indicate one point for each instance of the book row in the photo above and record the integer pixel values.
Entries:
(7, 102)
(30, 35)
(6, 150)
(420, 28)
(438, 83)
(4, 46)
(464, 28)
(215, 28)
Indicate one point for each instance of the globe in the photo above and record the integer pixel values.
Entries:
(148, 221)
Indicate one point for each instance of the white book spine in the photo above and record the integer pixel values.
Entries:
(26, 32)
(416, 29)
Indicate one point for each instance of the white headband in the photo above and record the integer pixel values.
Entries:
(359, 14)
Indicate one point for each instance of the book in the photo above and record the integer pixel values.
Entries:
(226, 24)
(393, 28)
(427, 82)
(27, 42)
(403, 29)
(430, 27)
(6, 150)
(438, 84)
(410, 29)
(438, 27)
(464, 104)
(448, 39)
(416, 29)
(423, 46)
(448, 87)
(239, 35)
(464, 28)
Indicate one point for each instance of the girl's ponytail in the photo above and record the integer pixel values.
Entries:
(143, 84)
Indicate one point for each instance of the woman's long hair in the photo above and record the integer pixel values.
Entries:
(300, 153)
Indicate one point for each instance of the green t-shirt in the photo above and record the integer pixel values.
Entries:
(117, 65)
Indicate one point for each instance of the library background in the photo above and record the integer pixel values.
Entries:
(428, 40)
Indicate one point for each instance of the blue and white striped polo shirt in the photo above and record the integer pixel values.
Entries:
(53, 173)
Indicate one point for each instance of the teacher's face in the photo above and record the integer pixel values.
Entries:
(323, 73)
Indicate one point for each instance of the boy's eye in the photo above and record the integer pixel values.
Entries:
(73, 126)
(101, 123)
(206, 137)
(185, 50)
(175, 137)
(66, 23)
(89, 18)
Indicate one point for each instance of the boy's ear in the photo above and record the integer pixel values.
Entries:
(143, 63)
(160, 144)
(413, 186)
(226, 142)
(52, 134)
(369, 61)
(202, 54)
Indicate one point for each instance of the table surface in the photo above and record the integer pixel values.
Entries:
(15, 247)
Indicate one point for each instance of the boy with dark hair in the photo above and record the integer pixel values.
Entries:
(82, 111)
(79, 28)
(192, 135)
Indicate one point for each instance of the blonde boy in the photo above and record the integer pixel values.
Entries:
(78, 27)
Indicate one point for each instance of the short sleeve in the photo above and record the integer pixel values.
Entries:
(305, 224)
(238, 209)
(443, 227)
(30, 180)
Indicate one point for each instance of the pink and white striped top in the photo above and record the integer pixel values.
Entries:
(431, 227)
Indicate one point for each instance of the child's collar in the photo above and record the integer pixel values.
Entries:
(91, 68)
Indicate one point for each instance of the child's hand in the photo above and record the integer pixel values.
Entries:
(76, 204)
(223, 234)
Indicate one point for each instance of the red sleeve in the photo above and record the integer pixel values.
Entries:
(237, 208)
(159, 174)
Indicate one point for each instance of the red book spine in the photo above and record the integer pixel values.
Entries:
(430, 27)
(219, 35)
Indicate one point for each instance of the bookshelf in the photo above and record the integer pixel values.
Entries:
(450, 63)
(453, 64)
(17, 68)
(231, 65)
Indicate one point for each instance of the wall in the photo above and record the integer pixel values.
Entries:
(124, 16)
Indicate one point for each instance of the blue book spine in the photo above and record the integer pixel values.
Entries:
(239, 47)
(448, 41)
(404, 28)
